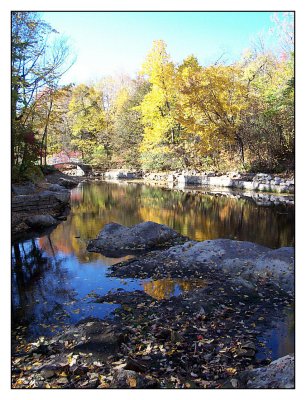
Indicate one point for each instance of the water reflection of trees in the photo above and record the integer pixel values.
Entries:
(197, 216)
(40, 286)
(165, 288)
(286, 344)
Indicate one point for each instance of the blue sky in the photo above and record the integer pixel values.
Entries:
(109, 43)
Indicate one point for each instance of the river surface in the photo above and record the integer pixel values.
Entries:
(54, 277)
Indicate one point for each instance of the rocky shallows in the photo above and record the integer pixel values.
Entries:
(188, 258)
(208, 336)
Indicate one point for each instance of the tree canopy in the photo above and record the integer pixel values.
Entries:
(171, 116)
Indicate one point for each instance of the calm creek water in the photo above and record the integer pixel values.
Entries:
(54, 276)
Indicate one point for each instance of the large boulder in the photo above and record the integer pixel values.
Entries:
(244, 261)
(277, 375)
(249, 260)
(116, 239)
(41, 221)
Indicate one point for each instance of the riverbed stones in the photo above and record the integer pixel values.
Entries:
(126, 379)
(237, 180)
(41, 221)
(94, 338)
(116, 239)
(189, 180)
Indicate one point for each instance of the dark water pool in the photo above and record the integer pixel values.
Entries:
(54, 277)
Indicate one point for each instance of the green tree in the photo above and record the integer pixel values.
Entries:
(127, 126)
(88, 122)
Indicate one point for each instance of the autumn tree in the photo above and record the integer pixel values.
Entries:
(51, 120)
(270, 126)
(128, 129)
(39, 58)
(88, 123)
(211, 106)
(161, 128)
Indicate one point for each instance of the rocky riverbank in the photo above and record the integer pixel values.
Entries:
(42, 205)
(260, 182)
(209, 336)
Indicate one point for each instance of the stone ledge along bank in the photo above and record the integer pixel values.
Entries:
(246, 181)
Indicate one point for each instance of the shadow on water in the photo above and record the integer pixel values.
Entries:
(54, 277)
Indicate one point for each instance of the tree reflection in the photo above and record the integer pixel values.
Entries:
(198, 216)
(165, 288)
(40, 286)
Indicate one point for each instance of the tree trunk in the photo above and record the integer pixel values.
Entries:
(43, 145)
(241, 148)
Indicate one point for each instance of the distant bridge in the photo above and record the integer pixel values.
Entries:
(79, 165)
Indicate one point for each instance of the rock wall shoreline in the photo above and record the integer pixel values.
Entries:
(40, 206)
(260, 182)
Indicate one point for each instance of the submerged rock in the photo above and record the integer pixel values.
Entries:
(100, 341)
(277, 375)
(116, 239)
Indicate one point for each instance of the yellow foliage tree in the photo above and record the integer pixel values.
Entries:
(158, 106)
(212, 103)
(87, 114)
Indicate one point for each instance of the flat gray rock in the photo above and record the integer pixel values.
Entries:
(54, 187)
(116, 239)
(244, 261)
(277, 375)
(247, 259)
(68, 183)
(41, 221)
(24, 189)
